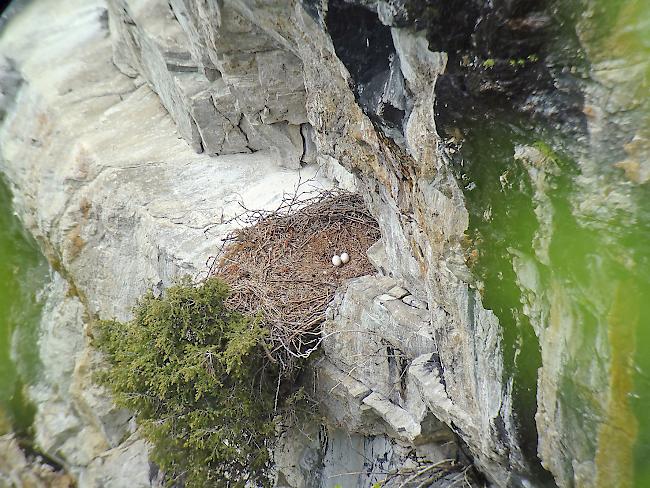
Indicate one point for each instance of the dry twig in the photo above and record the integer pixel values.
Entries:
(278, 264)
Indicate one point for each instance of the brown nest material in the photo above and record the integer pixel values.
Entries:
(279, 265)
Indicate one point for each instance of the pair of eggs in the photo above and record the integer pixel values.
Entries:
(340, 260)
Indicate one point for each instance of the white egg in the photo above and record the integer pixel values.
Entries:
(336, 260)
(345, 258)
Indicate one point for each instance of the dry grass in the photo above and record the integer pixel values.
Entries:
(279, 267)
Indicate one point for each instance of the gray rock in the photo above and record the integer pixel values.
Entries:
(396, 417)
(212, 69)
(118, 202)
(16, 470)
(10, 82)
(411, 301)
(398, 292)
(123, 204)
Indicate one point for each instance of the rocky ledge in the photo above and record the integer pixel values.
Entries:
(130, 131)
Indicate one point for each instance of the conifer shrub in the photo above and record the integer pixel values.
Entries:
(195, 375)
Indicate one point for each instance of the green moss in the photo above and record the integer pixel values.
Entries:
(194, 373)
(489, 63)
(546, 150)
(5, 422)
(523, 62)
(567, 165)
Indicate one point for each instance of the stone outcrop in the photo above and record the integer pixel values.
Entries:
(119, 203)
(130, 131)
(365, 389)
(97, 169)
(17, 470)
(412, 178)
(229, 87)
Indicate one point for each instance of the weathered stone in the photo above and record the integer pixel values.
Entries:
(119, 203)
(75, 418)
(212, 68)
(411, 301)
(16, 470)
(126, 186)
(398, 292)
(399, 419)
(10, 82)
(126, 465)
(100, 170)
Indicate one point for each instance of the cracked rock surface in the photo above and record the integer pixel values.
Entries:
(106, 175)
(131, 129)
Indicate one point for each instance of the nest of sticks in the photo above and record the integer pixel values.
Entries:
(279, 265)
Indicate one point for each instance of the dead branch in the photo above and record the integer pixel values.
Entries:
(278, 264)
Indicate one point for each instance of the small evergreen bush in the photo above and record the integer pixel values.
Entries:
(195, 375)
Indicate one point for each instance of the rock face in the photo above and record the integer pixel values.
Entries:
(367, 387)
(229, 87)
(17, 470)
(119, 203)
(130, 131)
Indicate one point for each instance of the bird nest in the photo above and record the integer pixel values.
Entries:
(279, 265)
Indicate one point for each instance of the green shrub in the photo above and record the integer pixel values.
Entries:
(194, 373)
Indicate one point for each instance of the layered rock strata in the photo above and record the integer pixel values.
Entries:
(120, 203)
(130, 131)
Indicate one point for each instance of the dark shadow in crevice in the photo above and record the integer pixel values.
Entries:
(365, 46)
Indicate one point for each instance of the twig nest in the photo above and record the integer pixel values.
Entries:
(345, 258)
(336, 260)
